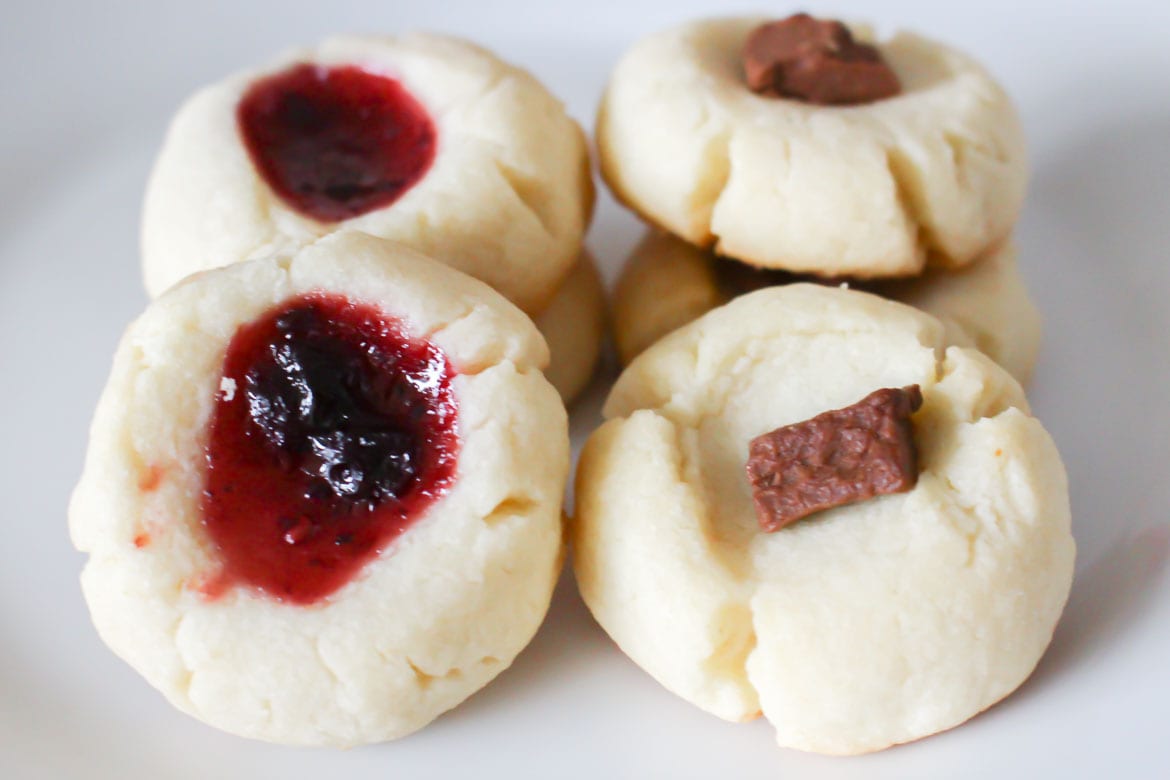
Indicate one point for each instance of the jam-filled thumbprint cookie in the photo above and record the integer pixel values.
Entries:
(424, 139)
(322, 497)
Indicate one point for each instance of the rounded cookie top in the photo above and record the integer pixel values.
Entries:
(667, 283)
(933, 174)
(404, 459)
(424, 139)
(860, 626)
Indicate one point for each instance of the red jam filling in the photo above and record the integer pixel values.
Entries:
(335, 143)
(335, 431)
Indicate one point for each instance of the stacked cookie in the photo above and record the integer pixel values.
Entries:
(482, 170)
(322, 498)
(812, 502)
(668, 282)
(808, 171)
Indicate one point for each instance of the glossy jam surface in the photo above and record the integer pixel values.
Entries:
(332, 433)
(335, 142)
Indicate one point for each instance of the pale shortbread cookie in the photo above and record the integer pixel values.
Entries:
(667, 282)
(860, 627)
(936, 174)
(507, 198)
(664, 284)
(984, 304)
(574, 327)
(441, 612)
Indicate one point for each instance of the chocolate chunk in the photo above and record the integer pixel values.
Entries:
(815, 61)
(836, 458)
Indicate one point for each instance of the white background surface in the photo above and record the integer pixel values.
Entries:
(87, 89)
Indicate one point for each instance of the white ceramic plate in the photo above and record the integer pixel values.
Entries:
(88, 88)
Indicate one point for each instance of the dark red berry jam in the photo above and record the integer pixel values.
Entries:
(334, 432)
(335, 143)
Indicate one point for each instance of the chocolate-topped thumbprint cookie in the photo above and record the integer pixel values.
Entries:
(424, 139)
(811, 146)
(805, 505)
(322, 496)
(668, 282)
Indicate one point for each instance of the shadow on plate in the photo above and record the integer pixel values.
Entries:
(1107, 598)
(1098, 229)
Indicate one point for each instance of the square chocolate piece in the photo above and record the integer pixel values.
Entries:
(836, 458)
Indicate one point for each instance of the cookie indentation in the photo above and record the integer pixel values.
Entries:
(336, 142)
(343, 435)
(816, 61)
